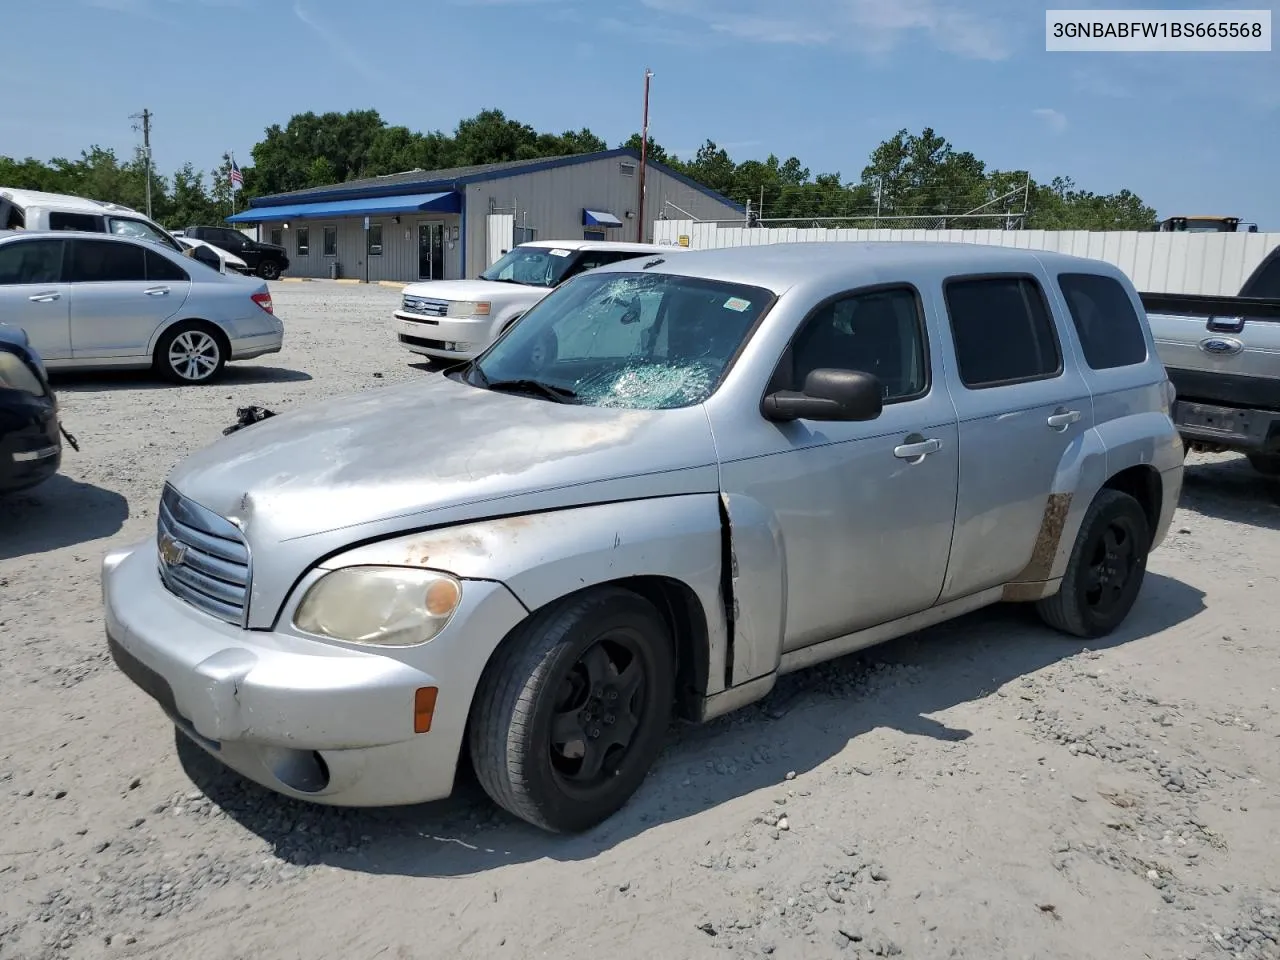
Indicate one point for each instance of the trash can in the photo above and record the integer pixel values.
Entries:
(335, 270)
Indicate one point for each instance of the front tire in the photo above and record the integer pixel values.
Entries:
(191, 353)
(269, 270)
(1106, 570)
(1267, 464)
(572, 711)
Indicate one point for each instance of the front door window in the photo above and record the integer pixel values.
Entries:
(431, 251)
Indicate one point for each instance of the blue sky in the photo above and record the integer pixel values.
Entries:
(825, 80)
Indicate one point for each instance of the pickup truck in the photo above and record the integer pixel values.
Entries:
(674, 480)
(1223, 358)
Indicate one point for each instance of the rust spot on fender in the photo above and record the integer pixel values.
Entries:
(1046, 548)
(418, 553)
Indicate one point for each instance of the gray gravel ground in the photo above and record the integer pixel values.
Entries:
(986, 789)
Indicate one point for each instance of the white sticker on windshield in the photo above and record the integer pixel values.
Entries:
(737, 303)
(560, 253)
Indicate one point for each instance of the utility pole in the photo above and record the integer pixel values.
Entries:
(145, 117)
(644, 155)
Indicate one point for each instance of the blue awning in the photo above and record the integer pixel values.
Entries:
(598, 218)
(412, 203)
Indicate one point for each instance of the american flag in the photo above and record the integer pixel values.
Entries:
(236, 176)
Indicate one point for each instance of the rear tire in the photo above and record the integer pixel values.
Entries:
(191, 352)
(572, 710)
(1105, 573)
(1267, 464)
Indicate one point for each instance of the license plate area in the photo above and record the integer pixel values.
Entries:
(1225, 422)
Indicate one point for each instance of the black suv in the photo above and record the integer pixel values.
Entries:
(265, 259)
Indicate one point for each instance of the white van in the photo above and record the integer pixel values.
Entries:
(34, 210)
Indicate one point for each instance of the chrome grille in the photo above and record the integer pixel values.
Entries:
(426, 307)
(203, 558)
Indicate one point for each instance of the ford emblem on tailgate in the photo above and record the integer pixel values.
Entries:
(1221, 346)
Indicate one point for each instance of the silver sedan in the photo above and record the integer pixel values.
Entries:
(89, 301)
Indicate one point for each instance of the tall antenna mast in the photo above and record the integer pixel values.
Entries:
(145, 117)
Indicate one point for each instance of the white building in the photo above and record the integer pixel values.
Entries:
(450, 224)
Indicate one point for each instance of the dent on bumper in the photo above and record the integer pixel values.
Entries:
(268, 703)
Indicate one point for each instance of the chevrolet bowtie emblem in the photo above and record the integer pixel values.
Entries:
(172, 551)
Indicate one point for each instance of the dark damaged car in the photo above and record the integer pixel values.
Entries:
(30, 443)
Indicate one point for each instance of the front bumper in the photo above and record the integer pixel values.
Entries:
(459, 339)
(308, 719)
(30, 446)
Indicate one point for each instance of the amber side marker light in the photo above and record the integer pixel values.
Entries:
(424, 706)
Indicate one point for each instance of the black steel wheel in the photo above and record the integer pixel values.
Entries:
(269, 270)
(572, 710)
(1106, 570)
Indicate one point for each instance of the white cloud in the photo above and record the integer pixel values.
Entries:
(1055, 120)
(872, 26)
(336, 42)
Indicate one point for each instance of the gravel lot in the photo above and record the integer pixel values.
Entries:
(986, 789)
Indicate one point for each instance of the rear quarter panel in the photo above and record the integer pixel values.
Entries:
(1131, 426)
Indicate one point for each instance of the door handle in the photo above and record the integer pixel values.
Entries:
(156, 291)
(45, 297)
(916, 449)
(1063, 418)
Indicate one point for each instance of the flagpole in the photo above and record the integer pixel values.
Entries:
(231, 183)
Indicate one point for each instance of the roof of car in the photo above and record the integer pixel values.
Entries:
(594, 245)
(62, 200)
(778, 266)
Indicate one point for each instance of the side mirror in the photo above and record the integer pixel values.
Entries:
(828, 394)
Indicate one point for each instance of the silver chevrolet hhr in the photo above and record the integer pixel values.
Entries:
(673, 480)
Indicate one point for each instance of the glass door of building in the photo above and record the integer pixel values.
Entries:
(431, 250)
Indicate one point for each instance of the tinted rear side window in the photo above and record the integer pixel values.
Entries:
(161, 268)
(1109, 328)
(1266, 282)
(1003, 331)
(102, 261)
(88, 222)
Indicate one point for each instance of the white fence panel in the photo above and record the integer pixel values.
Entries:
(1206, 263)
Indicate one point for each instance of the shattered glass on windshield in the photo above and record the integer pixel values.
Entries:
(633, 340)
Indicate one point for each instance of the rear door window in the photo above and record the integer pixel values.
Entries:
(89, 222)
(106, 261)
(1003, 331)
(31, 262)
(161, 269)
(1266, 282)
(1109, 328)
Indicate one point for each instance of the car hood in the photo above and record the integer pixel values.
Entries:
(305, 484)
(470, 290)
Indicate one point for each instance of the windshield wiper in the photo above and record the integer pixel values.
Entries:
(505, 280)
(548, 390)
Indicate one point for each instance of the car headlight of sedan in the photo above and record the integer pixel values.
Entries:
(467, 308)
(380, 606)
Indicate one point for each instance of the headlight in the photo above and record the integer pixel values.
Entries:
(466, 308)
(382, 606)
(16, 375)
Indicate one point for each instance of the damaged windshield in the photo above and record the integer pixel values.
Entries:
(637, 340)
(532, 266)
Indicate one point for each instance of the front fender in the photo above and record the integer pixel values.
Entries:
(541, 557)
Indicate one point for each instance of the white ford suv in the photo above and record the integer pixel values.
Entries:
(457, 319)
